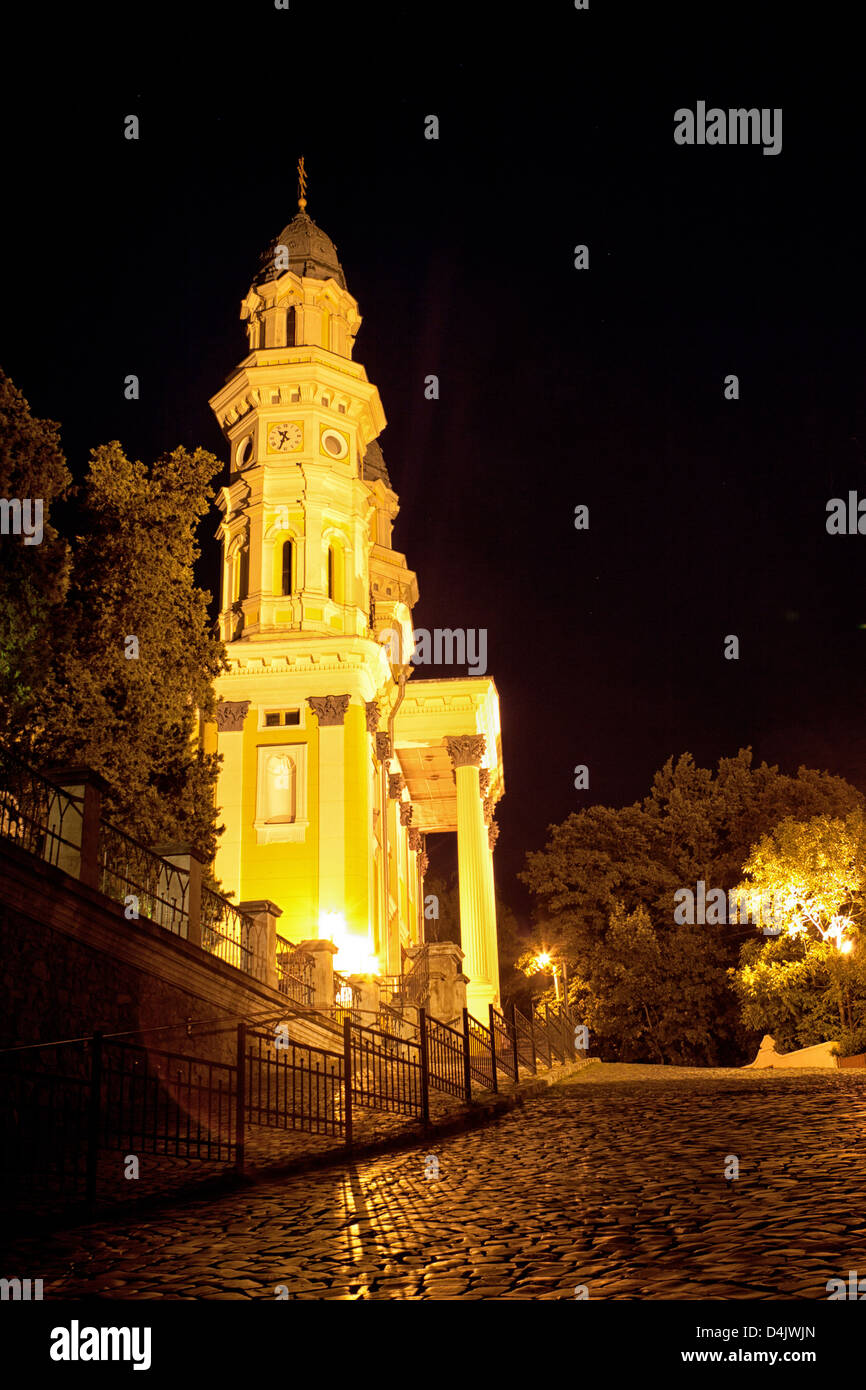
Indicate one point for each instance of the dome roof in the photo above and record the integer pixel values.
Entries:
(311, 252)
(375, 468)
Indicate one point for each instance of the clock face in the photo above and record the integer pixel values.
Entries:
(284, 438)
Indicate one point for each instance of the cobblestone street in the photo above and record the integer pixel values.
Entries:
(614, 1180)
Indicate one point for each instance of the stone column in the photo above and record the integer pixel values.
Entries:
(264, 946)
(477, 908)
(323, 953)
(330, 711)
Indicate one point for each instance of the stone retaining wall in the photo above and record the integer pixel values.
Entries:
(71, 963)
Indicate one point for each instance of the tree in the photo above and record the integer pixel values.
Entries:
(33, 577)
(603, 865)
(650, 992)
(135, 661)
(809, 984)
(802, 992)
(814, 875)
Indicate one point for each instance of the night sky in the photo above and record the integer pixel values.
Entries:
(558, 387)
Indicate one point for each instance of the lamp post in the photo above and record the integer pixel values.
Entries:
(544, 961)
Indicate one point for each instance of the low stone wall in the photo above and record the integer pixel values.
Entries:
(819, 1055)
(72, 963)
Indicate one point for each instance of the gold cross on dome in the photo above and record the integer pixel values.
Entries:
(302, 184)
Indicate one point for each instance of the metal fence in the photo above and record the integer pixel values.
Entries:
(482, 1057)
(411, 988)
(386, 1074)
(291, 1085)
(345, 1000)
(447, 1059)
(416, 983)
(165, 1102)
(40, 818)
(47, 821)
(61, 1105)
(504, 1045)
(295, 973)
(225, 931)
(45, 1107)
(524, 1035)
(127, 870)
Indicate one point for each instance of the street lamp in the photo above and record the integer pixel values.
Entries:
(544, 961)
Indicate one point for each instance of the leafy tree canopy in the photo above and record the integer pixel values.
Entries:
(607, 877)
(133, 653)
(33, 577)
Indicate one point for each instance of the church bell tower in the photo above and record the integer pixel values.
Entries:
(311, 590)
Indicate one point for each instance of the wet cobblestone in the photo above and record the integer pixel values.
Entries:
(614, 1180)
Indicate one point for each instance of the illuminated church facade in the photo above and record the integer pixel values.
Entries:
(338, 758)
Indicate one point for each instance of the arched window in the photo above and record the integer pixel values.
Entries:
(280, 789)
(290, 328)
(288, 553)
(243, 563)
(331, 571)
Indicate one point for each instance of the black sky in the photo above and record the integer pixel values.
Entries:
(558, 387)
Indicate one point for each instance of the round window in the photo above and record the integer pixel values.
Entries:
(334, 444)
(243, 451)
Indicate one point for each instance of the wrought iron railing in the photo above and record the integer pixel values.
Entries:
(166, 1103)
(502, 1031)
(482, 1064)
(416, 983)
(525, 1041)
(345, 1000)
(295, 973)
(393, 1023)
(226, 931)
(136, 877)
(446, 1058)
(290, 1085)
(553, 1028)
(391, 990)
(38, 817)
(385, 1077)
(62, 1105)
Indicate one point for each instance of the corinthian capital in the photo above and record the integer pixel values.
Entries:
(372, 709)
(230, 715)
(405, 812)
(415, 841)
(396, 783)
(466, 750)
(492, 834)
(484, 780)
(383, 747)
(330, 710)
